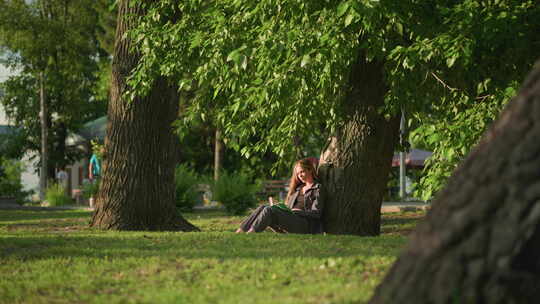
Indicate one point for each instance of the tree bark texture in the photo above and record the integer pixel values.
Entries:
(355, 166)
(137, 188)
(218, 151)
(44, 115)
(480, 243)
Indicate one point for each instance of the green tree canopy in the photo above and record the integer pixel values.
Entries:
(57, 38)
(277, 69)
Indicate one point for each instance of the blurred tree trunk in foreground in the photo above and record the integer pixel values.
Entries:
(481, 241)
(137, 189)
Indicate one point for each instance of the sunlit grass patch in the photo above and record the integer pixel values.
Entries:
(400, 223)
(44, 259)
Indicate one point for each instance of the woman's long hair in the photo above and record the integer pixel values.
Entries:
(308, 165)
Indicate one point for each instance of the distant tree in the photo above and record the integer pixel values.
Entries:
(481, 241)
(197, 151)
(137, 190)
(54, 42)
(107, 12)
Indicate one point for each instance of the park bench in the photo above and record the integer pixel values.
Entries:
(274, 188)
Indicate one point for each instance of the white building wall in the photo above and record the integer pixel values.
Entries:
(78, 174)
(3, 118)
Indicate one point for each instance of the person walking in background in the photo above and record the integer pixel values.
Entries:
(62, 179)
(303, 210)
(94, 168)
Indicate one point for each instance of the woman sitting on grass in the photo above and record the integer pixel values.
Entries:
(303, 214)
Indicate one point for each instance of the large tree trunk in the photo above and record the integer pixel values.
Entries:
(355, 166)
(481, 241)
(137, 186)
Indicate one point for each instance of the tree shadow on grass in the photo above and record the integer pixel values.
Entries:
(26, 215)
(21, 215)
(208, 214)
(121, 245)
(67, 235)
(395, 222)
(49, 225)
(400, 223)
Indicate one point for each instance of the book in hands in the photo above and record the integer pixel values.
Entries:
(282, 206)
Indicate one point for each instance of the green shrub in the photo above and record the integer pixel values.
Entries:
(90, 189)
(10, 180)
(235, 192)
(186, 181)
(56, 195)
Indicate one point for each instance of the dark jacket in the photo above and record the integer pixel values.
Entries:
(313, 206)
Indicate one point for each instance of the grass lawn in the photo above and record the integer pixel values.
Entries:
(53, 257)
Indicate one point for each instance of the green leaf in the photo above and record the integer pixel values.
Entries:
(305, 60)
(510, 91)
(399, 28)
(342, 8)
(349, 19)
(244, 62)
(324, 37)
(450, 61)
(196, 41)
(480, 88)
(235, 107)
(234, 56)
(216, 91)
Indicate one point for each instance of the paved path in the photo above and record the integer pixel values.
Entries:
(404, 206)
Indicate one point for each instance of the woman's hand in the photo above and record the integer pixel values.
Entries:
(296, 209)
